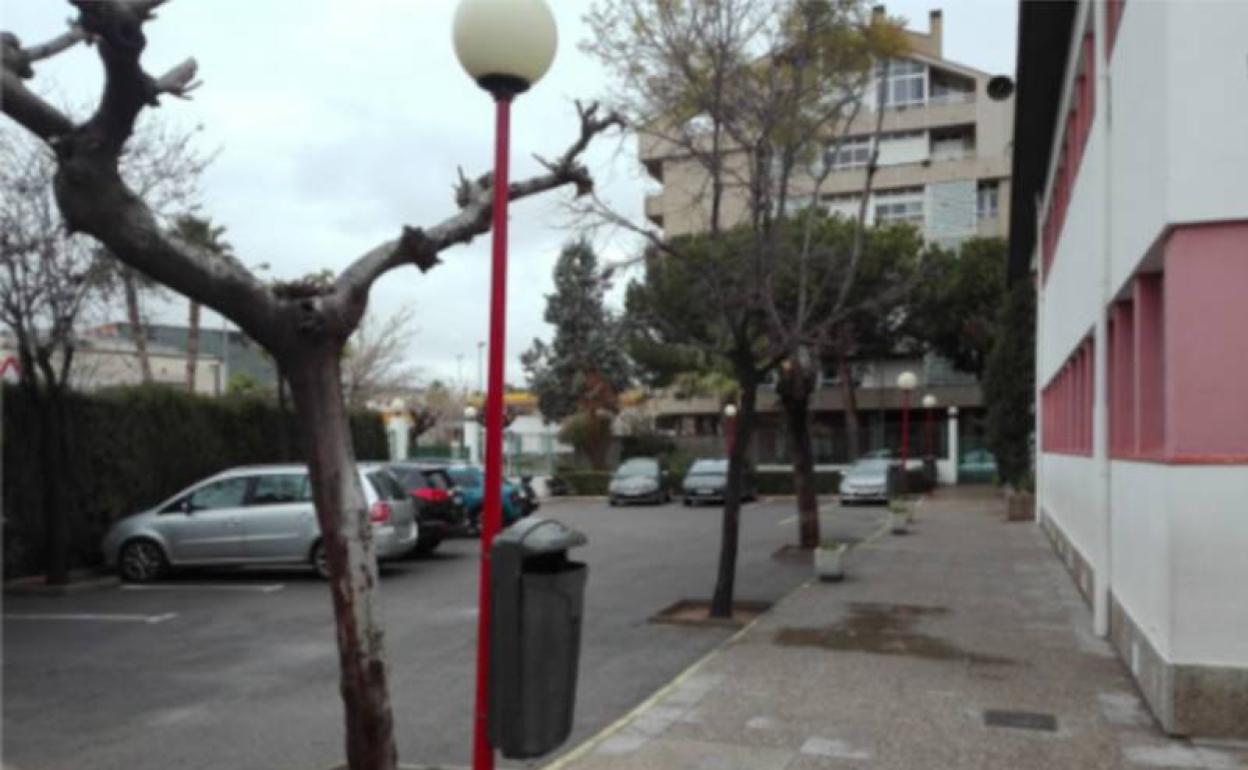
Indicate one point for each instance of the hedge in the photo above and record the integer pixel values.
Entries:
(781, 482)
(130, 448)
(586, 482)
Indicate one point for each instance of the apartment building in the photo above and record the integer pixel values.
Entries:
(1130, 213)
(944, 166)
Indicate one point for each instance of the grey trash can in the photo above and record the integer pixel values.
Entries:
(535, 636)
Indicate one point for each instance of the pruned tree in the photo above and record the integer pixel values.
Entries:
(750, 95)
(303, 324)
(377, 359)
(584, 367)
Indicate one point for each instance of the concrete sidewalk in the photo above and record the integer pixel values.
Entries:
(933, 635)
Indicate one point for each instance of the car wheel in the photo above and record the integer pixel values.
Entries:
(141, 561)
(611, 501)
(319, 561)
(426, 547)
(687, 502)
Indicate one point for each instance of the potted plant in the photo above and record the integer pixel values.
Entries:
(830, 560)
(899, 513)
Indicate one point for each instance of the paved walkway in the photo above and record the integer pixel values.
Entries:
(904, 664)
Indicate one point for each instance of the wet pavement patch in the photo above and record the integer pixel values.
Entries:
(1022, 720)
(883, 629)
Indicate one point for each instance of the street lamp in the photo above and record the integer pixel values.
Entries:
(470, 418)
(906, 381)
(730, 427)
(929, 404)
(505, 46)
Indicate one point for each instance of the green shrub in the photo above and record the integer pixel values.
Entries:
(586, 482)
(130, 448)
(781, 482)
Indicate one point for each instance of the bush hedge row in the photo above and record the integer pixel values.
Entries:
(781, 482)
(130, 448)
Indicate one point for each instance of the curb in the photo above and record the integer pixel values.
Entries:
(34, 586)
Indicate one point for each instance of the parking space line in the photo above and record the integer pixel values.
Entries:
(786, 521)
(93, 617)
(267, 588)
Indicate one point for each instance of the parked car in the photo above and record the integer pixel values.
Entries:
(707, 482)
(471, 482)
(252, 515)
(528, 495)
(438, 501)
(639, 480)
(977, 466)
(866, 481)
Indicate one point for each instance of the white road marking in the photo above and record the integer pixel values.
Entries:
(261, 589)
(91, 617)
(786, 521)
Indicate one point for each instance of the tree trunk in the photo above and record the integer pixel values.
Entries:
(721, 601)
(797, 410)
(192, 347)
(138, 331)
(853, 438)
(316, 385)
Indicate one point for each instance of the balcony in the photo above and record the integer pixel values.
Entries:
(655, 208)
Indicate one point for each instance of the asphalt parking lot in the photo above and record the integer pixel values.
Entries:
(237, 669)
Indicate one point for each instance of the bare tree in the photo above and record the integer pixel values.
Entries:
(48, 280)
(747, 94)
(305, 325)
(377, 359)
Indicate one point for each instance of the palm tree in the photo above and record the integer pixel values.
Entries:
(199, 231)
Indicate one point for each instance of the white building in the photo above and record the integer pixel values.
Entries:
(1133, 138)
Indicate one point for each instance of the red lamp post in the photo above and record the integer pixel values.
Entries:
(929, 405)
(906, 382)
(505, 46)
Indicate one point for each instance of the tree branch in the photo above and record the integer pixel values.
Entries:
(30, 111)
(475, 198)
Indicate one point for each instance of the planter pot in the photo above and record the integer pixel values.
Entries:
(900, 522)
(1020, 506)
(830, 563)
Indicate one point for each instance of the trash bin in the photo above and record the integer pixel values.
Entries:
(535, 636)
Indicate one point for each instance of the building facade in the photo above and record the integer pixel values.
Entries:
(944, 167)
(1131, 214)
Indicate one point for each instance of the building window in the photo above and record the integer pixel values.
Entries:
(895, 206)
(907, 83)
(987, 200)
(853, 152)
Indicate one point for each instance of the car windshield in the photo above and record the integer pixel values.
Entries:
(386, 486)
(872, 466)
(709, 468)
(465, 477)
(637, 468)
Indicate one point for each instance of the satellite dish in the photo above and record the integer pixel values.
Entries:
(1000, 88)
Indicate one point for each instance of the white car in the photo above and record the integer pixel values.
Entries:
(261, 514)
(866, 481)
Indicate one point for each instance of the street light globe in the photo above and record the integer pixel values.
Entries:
(907, 381)
(505, 45)
(470, 413)
(953, 411)
(929, 401)
(730, 410)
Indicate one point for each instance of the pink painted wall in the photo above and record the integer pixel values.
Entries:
(1123, 363)
(1206, 341)
(1150, 366)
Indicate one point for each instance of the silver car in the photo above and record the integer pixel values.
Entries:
(866, 481)
(259, 514)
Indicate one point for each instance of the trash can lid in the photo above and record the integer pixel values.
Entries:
(535, 535)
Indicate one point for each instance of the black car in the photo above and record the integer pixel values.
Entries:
(707, 482)
(440, 509)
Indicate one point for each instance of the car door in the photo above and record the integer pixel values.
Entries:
(205, 525)
(279, 519)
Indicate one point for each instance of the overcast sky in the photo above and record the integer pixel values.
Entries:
(338, 121)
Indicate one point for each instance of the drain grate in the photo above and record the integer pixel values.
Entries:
(1022, 720)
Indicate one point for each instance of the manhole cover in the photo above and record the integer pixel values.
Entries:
(1022, 720)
